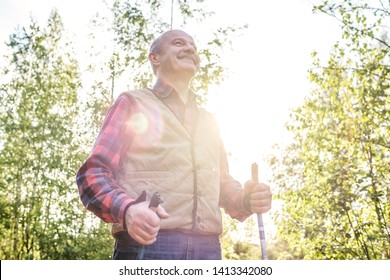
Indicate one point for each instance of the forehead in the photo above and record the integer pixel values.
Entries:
(176, 34)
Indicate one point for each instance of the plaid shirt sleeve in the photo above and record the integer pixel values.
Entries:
(232, 193)
(99, 192)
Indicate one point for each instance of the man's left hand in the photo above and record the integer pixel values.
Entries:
(257, 197)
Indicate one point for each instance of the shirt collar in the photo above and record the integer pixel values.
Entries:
(164, 90)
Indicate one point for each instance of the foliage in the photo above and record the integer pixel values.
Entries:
(41, 217)
(237, 240)
(338, 205)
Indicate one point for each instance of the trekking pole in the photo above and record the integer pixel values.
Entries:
(154, 203)
(255, 177)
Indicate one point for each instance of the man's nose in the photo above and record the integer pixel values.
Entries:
(190, 48)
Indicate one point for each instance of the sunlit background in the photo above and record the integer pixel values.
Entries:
(267, 68)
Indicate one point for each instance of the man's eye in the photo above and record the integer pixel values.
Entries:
(178, 43)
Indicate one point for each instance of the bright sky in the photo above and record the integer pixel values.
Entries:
(268, 65)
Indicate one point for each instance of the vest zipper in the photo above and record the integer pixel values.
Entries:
(194, 170)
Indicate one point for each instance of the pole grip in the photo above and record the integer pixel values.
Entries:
(255, 172)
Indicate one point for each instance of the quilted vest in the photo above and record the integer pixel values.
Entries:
(184, 169)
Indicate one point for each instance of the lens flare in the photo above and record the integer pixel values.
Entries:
(139, 123)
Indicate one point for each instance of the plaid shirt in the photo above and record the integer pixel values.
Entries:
(101, 194)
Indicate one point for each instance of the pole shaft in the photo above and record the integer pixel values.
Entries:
(260, 223)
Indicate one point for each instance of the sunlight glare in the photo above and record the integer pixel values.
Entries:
(139, 123)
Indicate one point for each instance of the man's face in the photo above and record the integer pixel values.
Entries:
(178, 55)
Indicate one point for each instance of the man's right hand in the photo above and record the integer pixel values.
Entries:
(143, 223)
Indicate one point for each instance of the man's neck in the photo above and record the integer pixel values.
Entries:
(182, 87)
(182, 90)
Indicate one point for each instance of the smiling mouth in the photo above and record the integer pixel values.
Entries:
(188, 58)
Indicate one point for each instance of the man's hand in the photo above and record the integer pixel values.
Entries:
(257, 197)
(143, 223)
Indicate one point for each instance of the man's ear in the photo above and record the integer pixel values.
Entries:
(153, 58)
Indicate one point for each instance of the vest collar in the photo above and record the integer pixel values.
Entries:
(164, 90)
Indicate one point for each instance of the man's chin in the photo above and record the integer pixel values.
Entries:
(190, 71)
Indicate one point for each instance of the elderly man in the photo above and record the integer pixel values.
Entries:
(160, 140)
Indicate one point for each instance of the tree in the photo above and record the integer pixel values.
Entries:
(338, 206)
(40, 213)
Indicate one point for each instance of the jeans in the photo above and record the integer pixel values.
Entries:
(170, 245)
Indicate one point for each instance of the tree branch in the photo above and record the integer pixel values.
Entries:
(363, 32)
